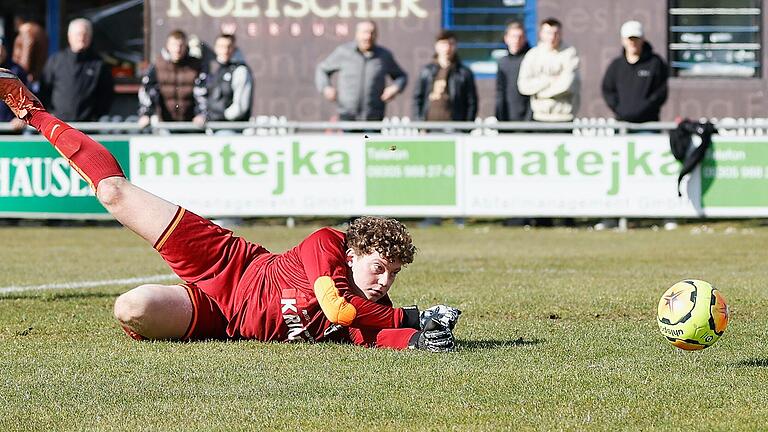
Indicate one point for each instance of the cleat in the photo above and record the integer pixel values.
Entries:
(17, 96)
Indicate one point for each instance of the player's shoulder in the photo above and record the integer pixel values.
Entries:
(328, 233)
(326, 240)
(326, 236)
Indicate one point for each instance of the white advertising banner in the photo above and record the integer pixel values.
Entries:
(237, 175)
(565, 175)
(450, 175)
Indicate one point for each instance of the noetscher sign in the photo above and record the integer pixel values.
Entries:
(371, 9)
(283, 40)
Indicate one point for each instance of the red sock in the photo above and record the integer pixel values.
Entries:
(89, 158)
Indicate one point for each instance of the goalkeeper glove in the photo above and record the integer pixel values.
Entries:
(443, 315)
(434, 339)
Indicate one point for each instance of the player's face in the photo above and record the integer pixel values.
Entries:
(373, 275)
(550, 36)
(177, 48)
(515, 39)
(365, 36)
(224, 48)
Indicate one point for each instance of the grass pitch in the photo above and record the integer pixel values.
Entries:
(558, 333)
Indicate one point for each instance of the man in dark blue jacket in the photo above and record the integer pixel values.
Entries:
(510, 104)
(76, 84)
(635, 83)
(446, 88)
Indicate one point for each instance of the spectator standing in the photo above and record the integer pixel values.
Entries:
(76, 85)
(635, 83)
(361, 90)
(30, 49)
(549, 74)
(6, 115)
(445, 92)
(635, 88)
(446, 88)
(510, 104)
(230, 84)
(174, 88)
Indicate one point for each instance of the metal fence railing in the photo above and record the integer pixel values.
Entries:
(273, 125)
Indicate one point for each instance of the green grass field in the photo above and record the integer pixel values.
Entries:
(558, 333)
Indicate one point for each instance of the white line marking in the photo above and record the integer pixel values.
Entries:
(87, 284)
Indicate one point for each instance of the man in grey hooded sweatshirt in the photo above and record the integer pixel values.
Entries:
(361, 90)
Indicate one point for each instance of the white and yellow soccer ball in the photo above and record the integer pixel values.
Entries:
(692, 314)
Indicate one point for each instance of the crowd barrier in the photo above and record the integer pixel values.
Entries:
(282, 168)
(401, 126)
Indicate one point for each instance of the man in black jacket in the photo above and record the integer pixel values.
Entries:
(635, 83)
(230, 84)
(446, 88)
(445, 91)
(76, 85)
(510, 104)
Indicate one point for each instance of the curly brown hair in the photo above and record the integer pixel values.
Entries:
(388, 237)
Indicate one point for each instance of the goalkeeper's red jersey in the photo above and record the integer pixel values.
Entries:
(270, 297)
(279, 301)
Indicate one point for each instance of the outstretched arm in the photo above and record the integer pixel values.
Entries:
(398, 339)
(435, 336)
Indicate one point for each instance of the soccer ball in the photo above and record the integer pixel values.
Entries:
(692, 314)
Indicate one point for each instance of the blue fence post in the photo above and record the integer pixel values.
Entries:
(53, 24)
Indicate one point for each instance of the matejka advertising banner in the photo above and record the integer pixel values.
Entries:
(440, 175)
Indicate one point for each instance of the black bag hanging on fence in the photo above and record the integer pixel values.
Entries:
(681, 141)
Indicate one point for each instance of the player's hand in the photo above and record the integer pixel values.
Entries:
(445, 316)
(390, 92)
(440, 340)
(329, 93)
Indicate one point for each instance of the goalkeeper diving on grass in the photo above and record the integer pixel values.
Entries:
(333, 286)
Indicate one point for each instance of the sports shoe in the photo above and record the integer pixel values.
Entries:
(17, 96)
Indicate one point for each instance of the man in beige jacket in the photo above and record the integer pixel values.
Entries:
(549, 74)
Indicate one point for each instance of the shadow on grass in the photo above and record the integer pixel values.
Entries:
(48, 296)
(496, 343)
(753, 363)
